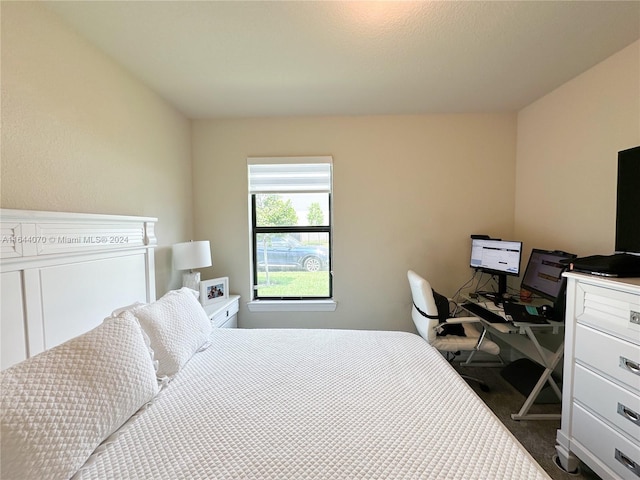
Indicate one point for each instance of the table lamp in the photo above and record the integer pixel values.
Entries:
(190, 255)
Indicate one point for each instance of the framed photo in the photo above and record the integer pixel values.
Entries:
(214, 290)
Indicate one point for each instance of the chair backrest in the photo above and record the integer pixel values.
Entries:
(423, 299)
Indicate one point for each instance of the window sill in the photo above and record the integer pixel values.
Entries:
(292, 305)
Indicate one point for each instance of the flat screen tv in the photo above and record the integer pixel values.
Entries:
(628, 202)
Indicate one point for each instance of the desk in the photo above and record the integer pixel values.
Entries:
(524, 338)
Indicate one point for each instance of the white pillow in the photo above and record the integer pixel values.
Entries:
(121, 310)
(58, 406)
(177, 327)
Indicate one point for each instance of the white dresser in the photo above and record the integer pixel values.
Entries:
(601, 384)
(224, 313)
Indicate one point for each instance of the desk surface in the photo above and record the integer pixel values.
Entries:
(511, 326)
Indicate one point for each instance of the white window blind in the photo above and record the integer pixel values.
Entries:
(289, 174)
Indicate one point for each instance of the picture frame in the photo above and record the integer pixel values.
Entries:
(214, 290)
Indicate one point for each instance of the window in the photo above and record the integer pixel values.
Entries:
(290, 202)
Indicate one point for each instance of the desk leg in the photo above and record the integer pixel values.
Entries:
(549, 362)
(550, 365)
(468, 363)
(478, 343)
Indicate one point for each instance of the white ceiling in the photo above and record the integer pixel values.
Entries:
(215, 59)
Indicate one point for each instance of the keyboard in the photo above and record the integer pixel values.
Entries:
(483, 313)
(523, 314)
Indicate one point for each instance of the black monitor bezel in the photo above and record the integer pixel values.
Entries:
(561, 256)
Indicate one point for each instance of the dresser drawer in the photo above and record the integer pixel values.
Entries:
(609, 310)
(616, 358)
(616, 405)
(617, 452)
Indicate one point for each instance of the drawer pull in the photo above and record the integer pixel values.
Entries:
(630, 365)
(629, 414)
(627, 462)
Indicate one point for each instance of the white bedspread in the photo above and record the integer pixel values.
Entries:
(314, 404)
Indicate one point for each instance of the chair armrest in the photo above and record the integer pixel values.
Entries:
(457, 320)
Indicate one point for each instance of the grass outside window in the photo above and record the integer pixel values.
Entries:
(294, 284)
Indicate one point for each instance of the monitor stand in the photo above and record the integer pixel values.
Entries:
(498, 297)
(502, 287)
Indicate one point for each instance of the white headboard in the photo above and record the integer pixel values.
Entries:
(61, 274)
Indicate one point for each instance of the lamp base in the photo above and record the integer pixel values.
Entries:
(191, 280)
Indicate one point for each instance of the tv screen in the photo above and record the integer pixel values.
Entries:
(543, 274)
(628, 202)
(496, 256)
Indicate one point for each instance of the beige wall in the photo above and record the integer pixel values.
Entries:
(80, 134)
(567, 157)
(408, 192)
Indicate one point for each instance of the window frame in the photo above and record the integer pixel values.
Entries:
(290, 303)
(256, 230)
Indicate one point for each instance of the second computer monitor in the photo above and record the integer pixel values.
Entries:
(543, 274)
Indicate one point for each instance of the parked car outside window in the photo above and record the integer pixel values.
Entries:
(285, 251)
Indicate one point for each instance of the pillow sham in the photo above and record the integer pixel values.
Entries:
(58, 406)
(121, 310)
(177, 327)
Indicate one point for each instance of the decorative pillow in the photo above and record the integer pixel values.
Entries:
(121, 310)
(58, 406)
(177, 327)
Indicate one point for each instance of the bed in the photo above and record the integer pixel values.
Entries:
(154, 391)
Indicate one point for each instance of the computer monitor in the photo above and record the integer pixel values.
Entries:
(497, 257)
(543, 276)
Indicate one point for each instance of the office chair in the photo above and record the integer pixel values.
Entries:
(425, 316)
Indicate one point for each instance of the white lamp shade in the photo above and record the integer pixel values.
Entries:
(189, 255)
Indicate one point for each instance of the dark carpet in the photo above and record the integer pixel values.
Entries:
(537, 436)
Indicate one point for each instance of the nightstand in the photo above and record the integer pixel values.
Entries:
(224, 313)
